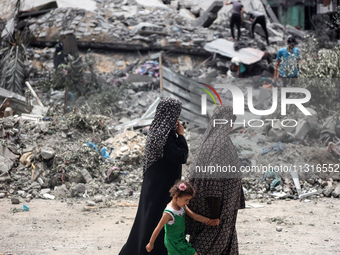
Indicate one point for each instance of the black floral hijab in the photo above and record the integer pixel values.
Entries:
(167, 113)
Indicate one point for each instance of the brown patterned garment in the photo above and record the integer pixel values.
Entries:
(216, 148)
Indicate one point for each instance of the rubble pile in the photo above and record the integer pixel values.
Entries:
(72, 155)
(180, 27)
(80, 155)
(274, 163)
(149, 27)
(91, 145)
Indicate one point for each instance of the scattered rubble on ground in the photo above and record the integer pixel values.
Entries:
(75, 155)
(81, 146)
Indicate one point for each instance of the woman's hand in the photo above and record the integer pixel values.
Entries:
(179, 128)
(213, 222)
(149, 247)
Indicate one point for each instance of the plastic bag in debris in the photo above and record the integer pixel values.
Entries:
(91, 145)
(25, 208)
(105, 154)
(278, 147)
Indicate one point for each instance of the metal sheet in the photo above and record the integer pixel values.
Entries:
(226, 48)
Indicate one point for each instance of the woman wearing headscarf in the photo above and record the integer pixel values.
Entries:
(165, 151)
(219, 194)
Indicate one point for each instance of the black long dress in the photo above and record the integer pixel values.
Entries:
(158, 180)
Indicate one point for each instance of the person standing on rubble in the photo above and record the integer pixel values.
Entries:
(236, 18)
(257, 17)
(166, 150)
(287, 63)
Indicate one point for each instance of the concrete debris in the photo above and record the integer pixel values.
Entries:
(47, 154)
(209, 15)
(15, 201)
(86, 175)
(277, 135)
(144, 26)
(295, 32)
(92, 147)
(14, 101)
(302, 129)
(278, 228)
(336, 191)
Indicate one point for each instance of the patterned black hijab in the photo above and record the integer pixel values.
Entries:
(167, 113)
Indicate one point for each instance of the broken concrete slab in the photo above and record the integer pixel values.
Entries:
(327, 191)
(6, 153)
(289, 126)
(131, 78)
(86, 175)
(270, 11)
(185, 13)
(48, 196)
(15, 101)
(5, 177)
(301, 129)
(336, 191)
(209, 15)
(308, 194)
(15, 201)
(296, 181)
(47, 153)
(9, 28)
(144, 25)
(295, 32)
(153, 3)
(278, 195)
(38, 10)
(152, 30)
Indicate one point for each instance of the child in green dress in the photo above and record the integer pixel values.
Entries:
(173, 221)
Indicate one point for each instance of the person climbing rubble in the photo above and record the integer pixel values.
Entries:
(236, 18)
(258, 17)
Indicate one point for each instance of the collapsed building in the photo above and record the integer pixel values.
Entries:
(60, 142)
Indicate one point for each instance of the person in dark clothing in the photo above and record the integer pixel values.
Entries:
(165, 152)
(236, 17)
(257, 17)
(219, 194)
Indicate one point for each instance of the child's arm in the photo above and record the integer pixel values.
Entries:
(196, 216)
(165, 218)
(201, 218)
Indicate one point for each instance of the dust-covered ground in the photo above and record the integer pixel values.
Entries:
(73, 228)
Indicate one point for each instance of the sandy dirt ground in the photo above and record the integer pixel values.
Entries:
(73, 228)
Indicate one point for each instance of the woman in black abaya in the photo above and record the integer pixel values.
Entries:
(165, 152)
